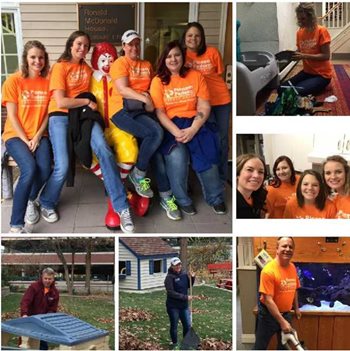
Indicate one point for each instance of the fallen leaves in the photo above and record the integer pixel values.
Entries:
(215, 344)
(105, 320)
(133, 314)
(200, 297)
(10, 315)
(128, 341)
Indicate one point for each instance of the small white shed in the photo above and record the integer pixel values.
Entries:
(143, 262)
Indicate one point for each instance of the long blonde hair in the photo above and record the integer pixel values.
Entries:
(308, 9)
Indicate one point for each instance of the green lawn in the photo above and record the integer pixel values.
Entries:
(93, 310)
(212, 317)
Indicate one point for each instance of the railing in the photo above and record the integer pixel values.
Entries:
(335, 14)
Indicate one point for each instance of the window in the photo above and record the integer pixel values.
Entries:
(9, 44)
(158, 266)
(164, 22)
(125, 267)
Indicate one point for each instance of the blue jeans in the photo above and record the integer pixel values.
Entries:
(307, 83)
(267, 326)
(143, 127)
(58, 129)
(174, 315)
(220, 116)
(176, 166)
(35, 169)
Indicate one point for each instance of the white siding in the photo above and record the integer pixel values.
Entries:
(50, 23)
(130, 282)
(209, 16)
(155, 280)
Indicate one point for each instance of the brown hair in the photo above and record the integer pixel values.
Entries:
(24, 67)
(321, 198)
(67, 53)
(276, 181)
(342, 161)
(258, 196)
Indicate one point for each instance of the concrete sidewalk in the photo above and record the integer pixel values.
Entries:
(82, 210)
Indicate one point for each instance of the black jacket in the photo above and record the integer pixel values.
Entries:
(81, 121)
(177, 285)
(244, 210)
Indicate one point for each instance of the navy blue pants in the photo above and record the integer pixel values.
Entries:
(267, 326)
(174, 315)
(306, 83)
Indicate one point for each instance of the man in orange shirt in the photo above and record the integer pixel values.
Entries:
(278, 293)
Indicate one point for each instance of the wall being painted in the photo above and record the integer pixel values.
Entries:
(259, 27)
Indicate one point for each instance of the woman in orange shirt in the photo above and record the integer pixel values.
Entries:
(26, 96)
(313, 42)
(180, 96)
(336, 175)
(208, 61)
(282, 187)
(311, 199)
(131, 78)
(70, 77)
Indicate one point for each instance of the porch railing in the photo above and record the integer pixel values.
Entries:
(335, 15)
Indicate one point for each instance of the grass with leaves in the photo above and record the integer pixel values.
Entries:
(211, 318)
(94, 310)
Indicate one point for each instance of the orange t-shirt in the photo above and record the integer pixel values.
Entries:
(31, 97)
(293, 210)
(179, 97)
(73, 78)
(210, 64)
(280, 283)
(139, 74)
(277, 198)
(342, 203)
(310, 43)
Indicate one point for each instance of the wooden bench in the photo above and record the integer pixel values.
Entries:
(219, 268)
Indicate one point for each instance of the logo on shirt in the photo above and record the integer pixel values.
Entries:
(288, 285)
(34, 97)
(308, 44)
(204, 66)
(342, 215)
(176, 95)
(77, 78)
(140, 73)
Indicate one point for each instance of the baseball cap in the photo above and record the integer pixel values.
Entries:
(129, 36)
(174, 261)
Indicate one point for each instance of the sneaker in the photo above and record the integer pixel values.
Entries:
(126, 223)
(189, 210)
(219, 209)
(169, 205)
(50, 215)
(32, 215)
(142, 186)
(17, 230)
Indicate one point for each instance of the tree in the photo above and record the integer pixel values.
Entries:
(89, 244)
(58, 245)
(183, 251)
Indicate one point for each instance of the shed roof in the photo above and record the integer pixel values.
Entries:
(148, 246)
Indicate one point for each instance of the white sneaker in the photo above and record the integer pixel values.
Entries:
(126, 223)
(17, 230)
(50, 215)
(32, 215)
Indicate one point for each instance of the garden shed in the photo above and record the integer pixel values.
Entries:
(143, 262)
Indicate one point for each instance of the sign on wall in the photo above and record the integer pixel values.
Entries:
(106, 22)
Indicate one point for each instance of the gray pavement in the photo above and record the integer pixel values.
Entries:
(82, 210)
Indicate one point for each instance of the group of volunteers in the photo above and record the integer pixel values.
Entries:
(291, 195)
(184, 120)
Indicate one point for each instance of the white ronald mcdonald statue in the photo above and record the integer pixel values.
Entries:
(124, 145)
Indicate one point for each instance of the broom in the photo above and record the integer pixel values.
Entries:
(191, 340)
